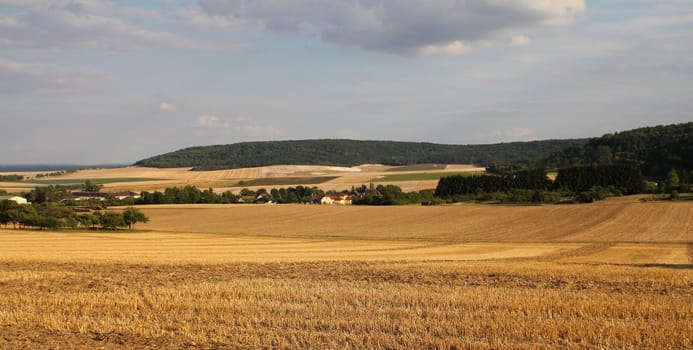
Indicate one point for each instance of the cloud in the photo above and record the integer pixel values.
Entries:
(210, 121)
(34, 77)
(199, 19)
(88, 24)
(403, 27)
(10, 22)
(454, 48)
(520, 40)
(235, 125)
(165, 106)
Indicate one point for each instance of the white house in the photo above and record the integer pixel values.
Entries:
(16, 199)
(342, 199)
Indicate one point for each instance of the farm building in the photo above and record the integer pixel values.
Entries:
(125, 194)
(342, 199)
(16, 199)
(260, 199)
(102, 196)
(85, 195)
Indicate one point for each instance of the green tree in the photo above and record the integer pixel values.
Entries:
(5, 207)
(672, 182)
(24, 215)
(132, 215)
(87, 220)
(112, 220)
(90, 186)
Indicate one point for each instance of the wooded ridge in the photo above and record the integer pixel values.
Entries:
(353, 152)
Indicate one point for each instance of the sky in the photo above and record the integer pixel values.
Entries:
(99, 81)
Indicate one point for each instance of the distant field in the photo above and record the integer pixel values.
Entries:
(137, 179)
(417, 176)
(284, 181)
(98, 181)
(608, 275)
(418, 167)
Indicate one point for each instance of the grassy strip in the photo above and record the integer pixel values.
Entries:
(417, 176)
(283, 181)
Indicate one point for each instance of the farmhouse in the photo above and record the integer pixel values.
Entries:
(343, 199)
(86, 195)
(16, 199)
(102, 196)
(260, 199)
(125, 194)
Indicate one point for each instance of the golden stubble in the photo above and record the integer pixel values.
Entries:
(612, 275)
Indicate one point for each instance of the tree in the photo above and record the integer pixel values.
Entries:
(90, 186)
(112, 220)
(672, 182)
(87, 220)
(132, 215)
(5, 207)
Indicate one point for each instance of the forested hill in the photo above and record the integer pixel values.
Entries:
(656, 150)
(351, 152)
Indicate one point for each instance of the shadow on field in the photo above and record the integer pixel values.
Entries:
(667, 266)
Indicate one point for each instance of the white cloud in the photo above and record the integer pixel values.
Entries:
(404, 27)
(454, 48)
(165, 106)
(520, 40)
(208, 121)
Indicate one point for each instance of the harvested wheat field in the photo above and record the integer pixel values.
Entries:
(609, 275)
(616, 221)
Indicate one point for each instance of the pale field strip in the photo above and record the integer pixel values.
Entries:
(638, 254)
(14, 187)
(217, 248)
(371, 173)
(205, 248)
(305, 170)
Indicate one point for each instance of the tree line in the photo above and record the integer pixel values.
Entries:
(55, 216)
(655, 150)
(577, 183)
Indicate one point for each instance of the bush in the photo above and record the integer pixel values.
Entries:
(674, 195)
(595, 193)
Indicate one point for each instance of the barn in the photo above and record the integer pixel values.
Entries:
(16, 199)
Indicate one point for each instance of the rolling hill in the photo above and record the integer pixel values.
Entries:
(353, 152)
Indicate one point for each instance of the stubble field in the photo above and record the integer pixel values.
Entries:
(608, 275)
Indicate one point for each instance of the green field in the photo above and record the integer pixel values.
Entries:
(417, 176)
(285, 181)
(101, 181)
